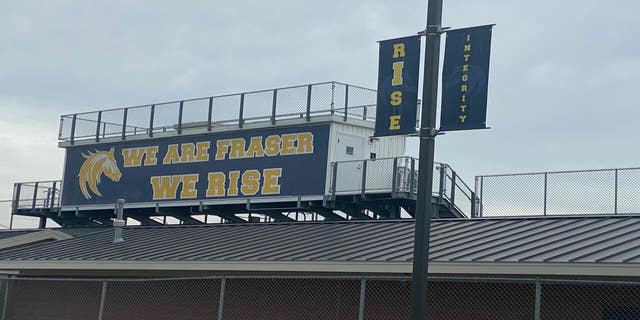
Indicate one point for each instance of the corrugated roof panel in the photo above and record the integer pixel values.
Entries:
(566, 239)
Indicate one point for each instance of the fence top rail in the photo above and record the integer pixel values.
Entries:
(38, 182)
(216, 96)
(555, 172)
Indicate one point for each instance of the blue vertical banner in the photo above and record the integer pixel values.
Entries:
(398, 72)
(465, 78)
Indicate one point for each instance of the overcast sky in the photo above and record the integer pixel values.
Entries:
(562, 89)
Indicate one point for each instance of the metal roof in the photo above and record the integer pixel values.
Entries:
(538, 240)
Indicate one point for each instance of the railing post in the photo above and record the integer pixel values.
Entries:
(98, 126)
(334, 173)
(363, 190)
(412, 178)
(364, 113)
(538, 298)
(452, 200)
(363, 291)
(240, 118)
(103, 296)
(151, 116)
(273, 107)
(309, 103)
(441, 189)
(333, 96)
(480, 203)
(72, 138)
(35, 197)
(346, 101)
(394, 178)
(124, 124)
(615, 200)
(474, 208)
(16, 196)
(53, 194)
(60, 127)
(545, 194)
(223, 283)
(180, 117)
(210, 114)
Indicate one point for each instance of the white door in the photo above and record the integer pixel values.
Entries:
(349, 174)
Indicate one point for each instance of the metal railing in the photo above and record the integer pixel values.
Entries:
(36, 195)
(314, 297)
(399, 176)
(272, 105)
(580, 192)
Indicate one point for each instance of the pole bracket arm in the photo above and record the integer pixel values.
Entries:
(433, 30)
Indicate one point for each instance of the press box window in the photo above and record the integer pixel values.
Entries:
(350, 151)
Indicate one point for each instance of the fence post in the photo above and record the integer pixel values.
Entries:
(273, 107)
(545, 194)
(346, 101)
(124, 124)
(180, 117)
(16, 196)
(452, 200)
(363, 290)
(53, 195)
(480, 203)
(537, 300)
(210, 114)
(151, 116)
(5, 303)
(615, 200)
(474, 208)
(103, 296)
(35, 197)
(441, 189)
(333, 95)
(412, 178)
(241, 115)
(363, 189)
(73, 129)
(308, 103)
(394, 178)
(223, 282)
(98, 126)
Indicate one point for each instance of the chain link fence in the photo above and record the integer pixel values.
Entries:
(586, 192)
(315, 297)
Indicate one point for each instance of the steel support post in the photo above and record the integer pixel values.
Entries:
(363, 290)
(424, 209)
(537, 300)
(223, 283)
(103, 296)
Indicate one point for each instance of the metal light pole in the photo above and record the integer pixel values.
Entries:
(424, 208)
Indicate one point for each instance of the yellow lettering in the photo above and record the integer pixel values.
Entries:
(398, 50)
(272, 145)
(394, 122)
(189, 190)
(202, 151)
(397, 73)
(463, 88)
(222, 148)
(288, 141)
(270, 183)
(467, 47)
(165, 187)
(468, 37)
(465, 77)
(172, 155)
(216, 184)
(465, 67)
(305, 143)
(237, 149)
(462, 118)
(255, 147)
(250, 182)
(150, 158)
(463, 108)
(464, 98)
(466, 57)
(132, 157)
(233, 183)
(187, 151)
(396, 98)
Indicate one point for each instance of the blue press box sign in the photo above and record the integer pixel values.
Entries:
(267, 162)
